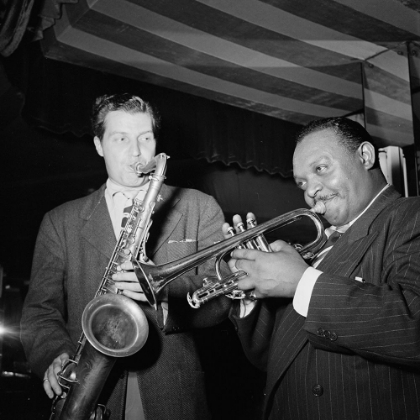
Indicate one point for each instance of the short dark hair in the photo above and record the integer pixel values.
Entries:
(350, 134)
(121, 102)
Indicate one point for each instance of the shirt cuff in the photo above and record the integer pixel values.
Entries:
(304, 289)
(164, 306)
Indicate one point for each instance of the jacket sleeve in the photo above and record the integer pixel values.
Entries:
(255, 329)
(43, 327)
(378, 317)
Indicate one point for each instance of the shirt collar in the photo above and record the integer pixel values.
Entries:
(114, 188)
(343, 228)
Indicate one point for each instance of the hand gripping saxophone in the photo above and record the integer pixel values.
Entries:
(113, 325)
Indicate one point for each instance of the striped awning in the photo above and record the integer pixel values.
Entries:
(295, 60)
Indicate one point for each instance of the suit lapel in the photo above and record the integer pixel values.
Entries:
(288, 340)
(348, 251)
(164, 220)
(98, 229)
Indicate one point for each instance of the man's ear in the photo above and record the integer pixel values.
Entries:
(366, 153)
(98, 146)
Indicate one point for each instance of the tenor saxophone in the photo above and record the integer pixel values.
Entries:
(113, 325)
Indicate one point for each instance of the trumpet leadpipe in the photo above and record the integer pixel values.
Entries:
(153, 279)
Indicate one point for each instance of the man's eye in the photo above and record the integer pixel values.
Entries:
(301, 184)
(321, 168)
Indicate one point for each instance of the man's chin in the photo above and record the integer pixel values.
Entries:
(331, 217)
(134, 183)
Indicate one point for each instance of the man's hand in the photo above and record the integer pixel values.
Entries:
(50, 383)
(270, 274)
(126, 280)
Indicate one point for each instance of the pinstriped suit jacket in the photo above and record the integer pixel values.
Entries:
(74, 245)
(357, 354)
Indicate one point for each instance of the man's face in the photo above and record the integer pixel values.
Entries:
(128, 139)
(325, 171)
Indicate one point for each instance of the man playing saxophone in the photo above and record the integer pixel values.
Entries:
(164, 378)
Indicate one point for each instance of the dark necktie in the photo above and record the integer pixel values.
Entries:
(332, 239)
(126, 212)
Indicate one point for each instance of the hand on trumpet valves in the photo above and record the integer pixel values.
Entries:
(269, 274)
(126, 280)
(50, 381)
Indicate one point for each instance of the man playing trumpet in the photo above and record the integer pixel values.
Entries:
(340, 338)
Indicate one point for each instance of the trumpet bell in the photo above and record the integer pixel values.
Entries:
(115, 325)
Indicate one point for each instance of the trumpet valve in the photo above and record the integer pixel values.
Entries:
(231, 231)
(251, 222)
(240, 226)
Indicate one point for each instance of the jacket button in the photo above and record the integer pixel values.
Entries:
(327, 334)
(320, 332)
(333, 336)
(317, 390)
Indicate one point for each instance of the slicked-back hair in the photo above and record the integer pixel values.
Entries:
(350, 134)
(121, 102)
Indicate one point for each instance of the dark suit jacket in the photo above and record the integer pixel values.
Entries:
(74, 245)
(357, 354)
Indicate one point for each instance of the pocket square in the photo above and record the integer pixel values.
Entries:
(172, 241)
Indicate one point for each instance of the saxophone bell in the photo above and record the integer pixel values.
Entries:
(115, 325)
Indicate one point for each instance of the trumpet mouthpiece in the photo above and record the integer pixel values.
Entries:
(319, 208)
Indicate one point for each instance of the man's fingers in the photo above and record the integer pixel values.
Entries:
(47, 387)
(50, 381)
(226, 229)
(139, 296)
(232, 265)
(127, 266)
(133, 286)
(278, 245)
(51, 385)
(246, 284)
(244, 254)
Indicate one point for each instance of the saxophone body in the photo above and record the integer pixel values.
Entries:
(113, 325)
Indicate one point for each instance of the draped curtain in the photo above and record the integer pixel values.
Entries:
(61, 100)
(26, 18)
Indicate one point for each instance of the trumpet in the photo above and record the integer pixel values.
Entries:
(153, 279)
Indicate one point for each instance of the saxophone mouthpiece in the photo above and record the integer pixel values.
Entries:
(142, 169)
(319, 208)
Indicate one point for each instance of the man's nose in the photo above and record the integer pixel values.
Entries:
(313, 188)
(135, 147)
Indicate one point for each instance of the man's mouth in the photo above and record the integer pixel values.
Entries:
(320, 205)
(141, 168)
